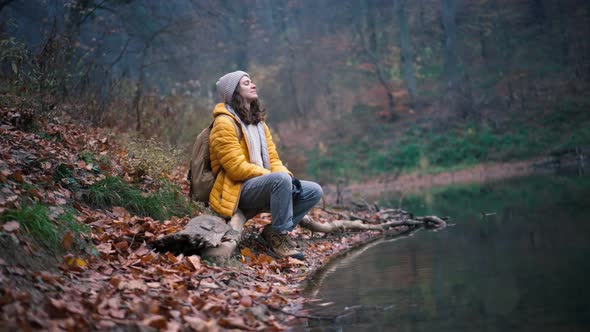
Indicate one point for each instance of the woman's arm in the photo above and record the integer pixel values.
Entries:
(226, 147)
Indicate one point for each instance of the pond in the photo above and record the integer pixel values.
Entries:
(517, 259)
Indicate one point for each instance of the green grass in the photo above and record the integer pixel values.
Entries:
(431, 150)
(44, 226)
(162, 204)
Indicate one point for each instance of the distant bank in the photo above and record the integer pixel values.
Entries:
(413, 182)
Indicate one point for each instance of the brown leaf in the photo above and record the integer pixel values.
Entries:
(246, 252)
(36, 193)
(133, 284)
(195, 262)
(142, 251)
(18, 177)
(295, 261)
(156, 321)
(106, 325)
(119, 211)
(199, 324)
(246, 301)
(170, 256)
(117, 313)
(56, 308)
(75, 308)
(234, 321)
(67, 240)
(11, 226)
(105, 248)
(173, 326)
(122, 245)
(115, 281)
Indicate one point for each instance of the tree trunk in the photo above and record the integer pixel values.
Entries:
(136, 106)
(407, 57)
(368, 40)
(448, 11)
(291, 65)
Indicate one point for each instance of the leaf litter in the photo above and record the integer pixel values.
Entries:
(121, 282)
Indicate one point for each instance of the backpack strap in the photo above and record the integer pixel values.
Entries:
(238, 129)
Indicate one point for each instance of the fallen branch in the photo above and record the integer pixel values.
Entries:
(343, 225)
(341, 215)
(213, 239)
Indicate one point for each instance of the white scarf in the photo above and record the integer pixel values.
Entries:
(257, 147)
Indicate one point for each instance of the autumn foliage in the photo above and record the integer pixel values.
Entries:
(87, 266)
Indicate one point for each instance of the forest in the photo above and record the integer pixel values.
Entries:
(101, 102)
(353, 89)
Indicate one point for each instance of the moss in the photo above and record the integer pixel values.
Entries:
(45, 226)
(162, 204)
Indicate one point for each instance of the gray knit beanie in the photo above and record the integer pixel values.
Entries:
(227, 84)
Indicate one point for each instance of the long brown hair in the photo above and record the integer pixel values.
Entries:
(256, 113)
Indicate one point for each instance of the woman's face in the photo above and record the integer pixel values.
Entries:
(247, 89)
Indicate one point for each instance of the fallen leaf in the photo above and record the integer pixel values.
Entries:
(105, 248)
(36, 193)
(115, 281)
(246, 252)
(122, 245)
(234, 321)
(246, 301)
(75, 263)
(118, 313)
(195, 262)
(295, 261)
(18, 177)
(67, 240)
(56, 308)
(106, 324)
(11, 226)
(156, 321)
(142, 251)
(199, 324)
(119, 211)
(133, 284)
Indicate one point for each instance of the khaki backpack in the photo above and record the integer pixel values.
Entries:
(200, 174)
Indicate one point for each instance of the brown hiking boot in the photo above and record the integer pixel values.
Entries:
(268, 228)
(280, 244)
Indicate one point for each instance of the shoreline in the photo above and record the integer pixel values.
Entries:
(416, 182)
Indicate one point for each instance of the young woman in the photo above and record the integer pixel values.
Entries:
(250, 174)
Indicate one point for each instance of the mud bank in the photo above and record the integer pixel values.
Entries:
(414, 182)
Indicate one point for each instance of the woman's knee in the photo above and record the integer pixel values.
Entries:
(281, 179)
(315, 189)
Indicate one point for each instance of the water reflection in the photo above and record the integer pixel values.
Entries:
(523, 268)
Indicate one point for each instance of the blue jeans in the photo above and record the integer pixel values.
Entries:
(274, 192)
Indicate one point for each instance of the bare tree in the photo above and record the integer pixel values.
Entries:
(367, 34)
(407, 55)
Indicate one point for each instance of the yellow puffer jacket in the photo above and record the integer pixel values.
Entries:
(230, 160)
